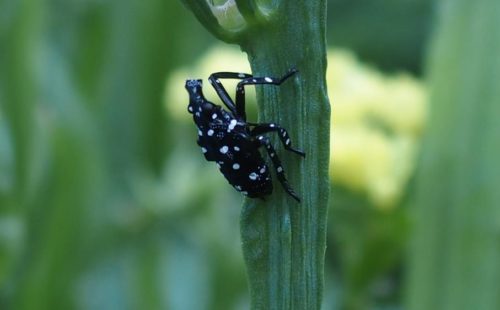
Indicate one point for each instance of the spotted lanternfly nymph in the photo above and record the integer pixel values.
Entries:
(228, 139)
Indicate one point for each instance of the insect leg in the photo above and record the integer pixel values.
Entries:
(240, 91)
(221, 91)
(280, 173)
(282, 133)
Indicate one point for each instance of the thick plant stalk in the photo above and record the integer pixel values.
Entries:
(455, 258)
(284, 241)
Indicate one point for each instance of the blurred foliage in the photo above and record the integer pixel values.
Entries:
(391, 33)
(92, 192)
(105, 200)
(366, 251)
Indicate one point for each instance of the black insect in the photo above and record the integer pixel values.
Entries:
(228, 139)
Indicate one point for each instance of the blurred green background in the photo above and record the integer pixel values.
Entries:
(105, 199)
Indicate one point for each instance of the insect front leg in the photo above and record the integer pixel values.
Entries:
(240, 88)
(280, 173)
(282, 133)
(221, 91)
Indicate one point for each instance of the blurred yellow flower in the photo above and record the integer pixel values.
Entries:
(377, 120)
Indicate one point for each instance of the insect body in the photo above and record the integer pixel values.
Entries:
(228, 139)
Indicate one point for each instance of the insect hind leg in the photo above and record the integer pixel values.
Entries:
(280, 173)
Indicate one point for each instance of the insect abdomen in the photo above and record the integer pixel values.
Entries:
(250, 177)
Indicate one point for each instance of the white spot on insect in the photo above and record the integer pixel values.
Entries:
(283, 133)
(236, 148)
(232, 124)
(253, 176)
(272, 125)
(254, 80)
(272, 154)
(197, 114)
(199, 109)
(236, 166)
(244, 193)
(237, 187)
(210, 132)
(241, 75)
(214, 116)
(218, 165)
(268, 79)
(262, 170)
(200, 133)
(287, 141)
(204, 150)
(190, 109)
(224, 149)
(261, 137)
(279, 169)
(217, 81)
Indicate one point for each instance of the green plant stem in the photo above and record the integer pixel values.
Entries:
(284, 241)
